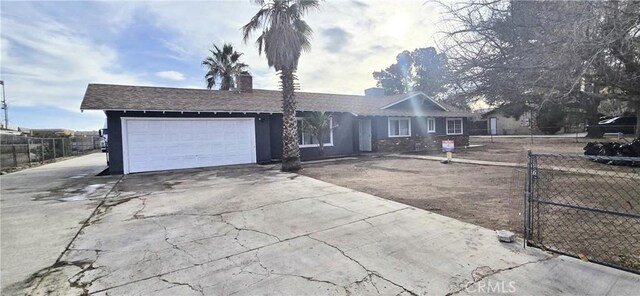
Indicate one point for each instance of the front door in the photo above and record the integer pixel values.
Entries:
(365, 134)
(493, 123)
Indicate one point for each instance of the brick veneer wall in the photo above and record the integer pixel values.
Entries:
(418, 143)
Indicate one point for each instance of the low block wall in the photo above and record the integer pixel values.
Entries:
(418, 143)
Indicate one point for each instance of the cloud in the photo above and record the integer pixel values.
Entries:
(368, 36)
(50, 51)
(360, 4)
(171, 75)
(45, 62)
(337, 39)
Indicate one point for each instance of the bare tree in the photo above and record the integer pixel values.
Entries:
(526, 53)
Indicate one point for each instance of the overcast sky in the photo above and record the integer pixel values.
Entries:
(51, 50)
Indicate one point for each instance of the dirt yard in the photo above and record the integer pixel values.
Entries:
(514, 151)
(487, 196)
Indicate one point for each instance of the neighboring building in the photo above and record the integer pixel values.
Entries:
(10, 132)
(86, 133)
(158, 128)
(51, 133)
(498, 123)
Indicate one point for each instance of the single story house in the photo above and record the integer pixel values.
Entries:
(499, 123)
(161, 128)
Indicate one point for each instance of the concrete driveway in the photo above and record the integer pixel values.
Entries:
(253, 230)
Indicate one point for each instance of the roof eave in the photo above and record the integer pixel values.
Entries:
(412, 96)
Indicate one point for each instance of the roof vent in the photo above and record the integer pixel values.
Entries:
(374, 92)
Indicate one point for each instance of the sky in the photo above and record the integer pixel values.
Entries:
(51, 50)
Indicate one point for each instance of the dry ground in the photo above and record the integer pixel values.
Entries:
(487, 196)
(515, 151)
(492, 196)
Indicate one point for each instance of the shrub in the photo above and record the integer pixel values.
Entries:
(550, 118)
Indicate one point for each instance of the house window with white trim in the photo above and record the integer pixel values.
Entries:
(454, 126)
(431, 125)
(399, 127)
(306, 138)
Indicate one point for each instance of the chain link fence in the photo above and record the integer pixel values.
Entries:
(19, 151)
(585, 206)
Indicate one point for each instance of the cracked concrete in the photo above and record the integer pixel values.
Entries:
(251, 229)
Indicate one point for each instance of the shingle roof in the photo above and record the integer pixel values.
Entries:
(145, 98)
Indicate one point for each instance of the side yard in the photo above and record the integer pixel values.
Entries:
(514, 151)
(487, 196)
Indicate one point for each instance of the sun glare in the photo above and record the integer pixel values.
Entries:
(397, 25)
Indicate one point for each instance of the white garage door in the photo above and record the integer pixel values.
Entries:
(167, 143)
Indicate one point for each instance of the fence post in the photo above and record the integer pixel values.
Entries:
(531, 135)
(29, 150)
(54, 148)
(527, 199)
(42, 150)
(15, 156)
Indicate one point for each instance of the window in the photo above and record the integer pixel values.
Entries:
(431, 125)
(454, 126)
(307, 139)
(399, 127)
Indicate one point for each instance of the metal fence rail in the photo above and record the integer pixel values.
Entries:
(585, 206)
(19, 151)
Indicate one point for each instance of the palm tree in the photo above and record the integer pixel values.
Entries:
(223, 65)
(283, 37)
(318, 124)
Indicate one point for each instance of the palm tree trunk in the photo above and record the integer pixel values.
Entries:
(321, 142)
(637, 107)
(290, 148)
(226, 83)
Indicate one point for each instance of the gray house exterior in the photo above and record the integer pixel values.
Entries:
(157, 128)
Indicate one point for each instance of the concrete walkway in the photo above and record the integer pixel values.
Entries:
(461, 160)
(253, 230)
(568, 135)
(578, 170)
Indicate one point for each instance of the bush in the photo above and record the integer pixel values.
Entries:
(550, 118)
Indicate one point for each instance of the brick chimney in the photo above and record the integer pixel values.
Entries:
(374, 92)
(245, 82)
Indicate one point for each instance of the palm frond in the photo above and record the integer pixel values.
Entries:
(284, 32)
(222, 65)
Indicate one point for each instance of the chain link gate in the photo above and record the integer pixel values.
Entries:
(584, 206)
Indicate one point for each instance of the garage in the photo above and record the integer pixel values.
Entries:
(155, 144)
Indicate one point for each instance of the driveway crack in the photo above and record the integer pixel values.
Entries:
(258, 248)
(136, 215)
(308, 278)
(482, 272)
(200, 290)
(369, 271)
(86, 223)
(238, 211)
(246, 229)
(166, 239)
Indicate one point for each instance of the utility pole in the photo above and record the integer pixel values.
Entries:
(4, 107)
